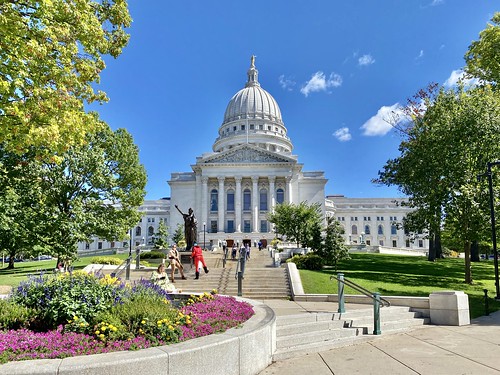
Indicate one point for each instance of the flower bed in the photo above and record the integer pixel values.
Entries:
(57, 316)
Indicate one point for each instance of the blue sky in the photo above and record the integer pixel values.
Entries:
(336, 68)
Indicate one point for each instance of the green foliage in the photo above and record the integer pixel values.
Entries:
(484, 54)
(309, 261)
(52, 55)
(333, 248)
(161, 237)
(296, 222)
(178, 236)
(14, 316)
(153, 255)
(57, 299)
(106, 260)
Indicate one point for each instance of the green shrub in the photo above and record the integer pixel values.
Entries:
(309, 261)
(153, 255)
(14, 316)
(57, 299)
(106, 260)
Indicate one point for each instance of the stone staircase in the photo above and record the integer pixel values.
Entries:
(261, 279)
(316, 332)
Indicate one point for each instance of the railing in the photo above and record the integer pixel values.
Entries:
(240, 269)
(377, 300)
(125, 266)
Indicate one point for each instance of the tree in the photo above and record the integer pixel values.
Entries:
(178, 235)
(445, 150)
(296, 222)
(94, 190)
(483, 55)
(161, 237)
(333, 247)
(51, 53)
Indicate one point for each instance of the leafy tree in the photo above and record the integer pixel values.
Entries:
(94, 190)
(483, 55)
(178, 235)
(161, 237)
(444, 151)
(333, 247)
(51, 53)
(296, 222)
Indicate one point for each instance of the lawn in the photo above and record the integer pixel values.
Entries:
(13, 277)
(396, 275)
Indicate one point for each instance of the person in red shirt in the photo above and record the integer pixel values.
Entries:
(198, 260)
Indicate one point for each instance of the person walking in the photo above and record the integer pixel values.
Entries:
(233, 251)
(175, 263)
(198, 260)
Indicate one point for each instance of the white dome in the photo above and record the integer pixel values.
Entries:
(253, 116)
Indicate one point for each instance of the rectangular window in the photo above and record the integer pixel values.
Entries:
(368, 242)
(99, 245)
(247, 200)
(420, 243)
(261, 127)
(246, 226)
(263, 226)
(213, 226)
(234, 128)
(230, 201)
(87, 246)
(394, 243)
(381, 242)
(263, 200)
(407, 243)
(242, 127)
(252, 126)
(269, 127)
(230, 226)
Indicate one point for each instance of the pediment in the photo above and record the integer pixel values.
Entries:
(247, 155)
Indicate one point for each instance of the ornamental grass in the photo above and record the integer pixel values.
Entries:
(63, 315)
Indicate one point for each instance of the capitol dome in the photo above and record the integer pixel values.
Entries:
(253, 116)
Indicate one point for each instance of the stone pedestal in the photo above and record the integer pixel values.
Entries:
(449, 308)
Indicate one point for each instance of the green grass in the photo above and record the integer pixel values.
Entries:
(13, 277)
(395, 275)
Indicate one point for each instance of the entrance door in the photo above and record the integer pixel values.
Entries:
(247, 242)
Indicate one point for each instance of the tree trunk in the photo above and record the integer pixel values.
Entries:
(432, 248)
(468, 273)
(474, 252)
(437, 244)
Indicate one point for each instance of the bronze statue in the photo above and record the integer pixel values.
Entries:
(190, 227)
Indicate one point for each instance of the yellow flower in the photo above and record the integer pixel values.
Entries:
(103, 328)
(75, 318)
(114, 329)
(97, 332)
(82, 324)
(143, 322)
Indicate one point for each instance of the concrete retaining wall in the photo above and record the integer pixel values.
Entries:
(240, 351)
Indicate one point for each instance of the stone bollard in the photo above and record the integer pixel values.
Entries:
(450, 308)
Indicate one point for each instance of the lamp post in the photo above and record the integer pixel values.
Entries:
(129, 260)
(493, 226)
(204, 227)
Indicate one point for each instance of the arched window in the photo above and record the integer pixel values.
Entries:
(394, 229)
(354, 229)
(151, 231)
(214, 200)
(380, 229)
(247, 200)
(280, 196)
(367, 229)
(138, 231)
(263, 200)
(230, 200)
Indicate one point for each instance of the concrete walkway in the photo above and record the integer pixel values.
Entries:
(472, 349)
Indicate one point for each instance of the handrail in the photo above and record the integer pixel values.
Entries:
(360, 289)
(125, 264)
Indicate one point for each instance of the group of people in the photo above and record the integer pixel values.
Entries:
(160, 275)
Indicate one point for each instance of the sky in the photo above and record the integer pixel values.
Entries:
(337, 70)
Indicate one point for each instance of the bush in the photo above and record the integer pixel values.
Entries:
(153, 255)
(13, 316)
(57, 299)
(106, 260)
(307, 262)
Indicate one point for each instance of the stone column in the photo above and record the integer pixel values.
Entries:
(204, 206)
(255, 203)
(237, 204)
(222, 206)
(289, 189)
(272, 192)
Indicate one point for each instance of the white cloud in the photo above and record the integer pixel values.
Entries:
(343, 134)
(286, 83)
(366, 60)
(421, 54)
(383, 121)
(319, 82)
(436, 2)
(459, 75)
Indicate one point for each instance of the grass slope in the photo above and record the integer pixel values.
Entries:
(399, 275)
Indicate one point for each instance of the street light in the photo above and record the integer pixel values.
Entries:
(204, 226)
(493, 225)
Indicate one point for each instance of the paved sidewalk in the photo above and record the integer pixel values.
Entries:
(472, 349)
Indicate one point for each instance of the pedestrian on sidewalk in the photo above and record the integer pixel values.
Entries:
(198, 260)
(233, 252)
(173, 257)
(247, 251)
